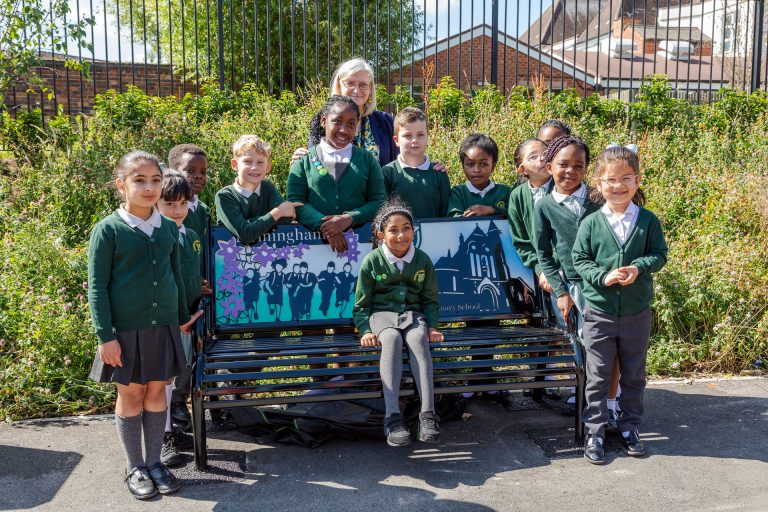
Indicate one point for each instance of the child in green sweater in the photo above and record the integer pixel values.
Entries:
(396, 301)
(479, 196)
(339, 184)
(192, 162)
(411, 176)
(616, 252)
(173, 203)
(252, 205)
(137, 299)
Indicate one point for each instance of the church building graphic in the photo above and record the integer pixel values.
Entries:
(476, 278)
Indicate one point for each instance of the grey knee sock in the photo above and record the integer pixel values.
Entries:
(129, 432)
(391, 369)
(154, 429)
(421, 367)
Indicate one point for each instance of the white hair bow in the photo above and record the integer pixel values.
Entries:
(631, 147)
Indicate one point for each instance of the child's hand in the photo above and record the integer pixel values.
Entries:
(614, 276)
(300, 152)
(630, 274)
(369, 340)
(439, 166)
(435, 335)
(207, 290)
(544, 283)
(478, 210)
(338, 243)
(110, 353)
(187, 327)
(335, 224)
(564, 304)
(285, 209)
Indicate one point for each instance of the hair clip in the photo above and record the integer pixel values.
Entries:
(631, 147)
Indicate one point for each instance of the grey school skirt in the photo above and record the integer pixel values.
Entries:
(154, 354)
(382, 320)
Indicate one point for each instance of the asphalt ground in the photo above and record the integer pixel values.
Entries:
(707, 444)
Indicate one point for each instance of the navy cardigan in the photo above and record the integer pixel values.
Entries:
(382, 126)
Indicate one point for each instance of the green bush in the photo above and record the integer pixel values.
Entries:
(703, 170)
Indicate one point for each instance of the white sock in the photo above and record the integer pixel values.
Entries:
(625, 434)
(612, 404)
(168, 393)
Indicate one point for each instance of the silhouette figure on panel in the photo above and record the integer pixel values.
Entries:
(326, 282)
(345, 287)
(273, 286)
(251, 292)
(305, 288)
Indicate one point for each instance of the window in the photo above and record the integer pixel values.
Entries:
(729, 33)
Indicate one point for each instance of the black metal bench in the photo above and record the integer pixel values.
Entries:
(252, 352)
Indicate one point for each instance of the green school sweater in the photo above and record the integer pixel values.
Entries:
(555, 228)
(521, 224)
(382, 287)
(597, 251)
(427, 191)
(359, 192)
(247, 218)
(461, 199)
(198, 220)
(190, 255)
(134, 281)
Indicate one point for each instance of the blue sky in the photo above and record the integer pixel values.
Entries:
(515, 13)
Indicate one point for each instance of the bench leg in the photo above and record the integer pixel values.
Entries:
(198, 416)
(580, 403)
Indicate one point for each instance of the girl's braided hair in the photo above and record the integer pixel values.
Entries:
(616, 154)
(392, 206)
(316, 130)
(560, 143)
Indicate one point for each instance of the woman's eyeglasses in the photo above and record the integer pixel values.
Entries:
(360, 86)
(535, 158)
(624, 180)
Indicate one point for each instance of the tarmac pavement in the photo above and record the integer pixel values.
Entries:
(707, 444)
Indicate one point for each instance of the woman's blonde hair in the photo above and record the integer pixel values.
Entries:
(351, 67)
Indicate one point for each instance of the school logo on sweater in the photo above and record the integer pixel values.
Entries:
(196, 246)
(501, 204)
(419, 276)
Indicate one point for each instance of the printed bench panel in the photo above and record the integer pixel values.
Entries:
(291, 279)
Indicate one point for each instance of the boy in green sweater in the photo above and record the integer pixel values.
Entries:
(479, 196)
(252, 205)
(191, 161)
(411, 176)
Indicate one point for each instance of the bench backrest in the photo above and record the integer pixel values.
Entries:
(290, 279)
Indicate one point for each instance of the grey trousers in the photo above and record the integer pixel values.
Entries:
(392, 329)
(605, 336)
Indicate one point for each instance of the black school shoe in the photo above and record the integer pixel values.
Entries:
(164, 480)
(180, 413)
(140, 484)
(397, 434)
(632, 445)
(429, 429)
(594, 451)
(169, 454)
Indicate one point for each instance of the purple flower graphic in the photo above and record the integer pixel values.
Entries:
(232, 306)
(283, 252)
(353, 251)
(298, 250)
(263, 254)
(230, 282)
(228, 250)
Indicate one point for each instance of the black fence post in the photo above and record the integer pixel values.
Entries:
(757, 50)
(220, 38)
(495, 42)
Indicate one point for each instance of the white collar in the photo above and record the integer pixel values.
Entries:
(327, 149)
(579, 194)
(631, 211)
(482, 193)
(544, 186)
(193, 204)
(183, 229)
(394, 259)
(245, 192)
(423, 167)
(154, 221)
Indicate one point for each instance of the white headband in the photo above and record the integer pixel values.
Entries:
(631, 147)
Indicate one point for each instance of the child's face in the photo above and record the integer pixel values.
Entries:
(533, 164)
(568, 168)
(478, 166)
(618, 184)
(550, 133)
(397, 234)
(340, 126)
(195, 169)
(412, 139)
(175, 210)
(252, 167)
(142, 187)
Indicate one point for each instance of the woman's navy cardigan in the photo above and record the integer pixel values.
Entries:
(382, 126)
